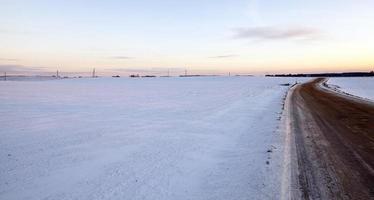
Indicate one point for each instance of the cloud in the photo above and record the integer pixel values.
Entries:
(275, 33)
(146, 70)
(224, 56)
(15, 31)
(130, 70)
(9, 59)
(121, 57)
(19, 68)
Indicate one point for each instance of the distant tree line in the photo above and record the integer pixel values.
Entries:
(343, 74)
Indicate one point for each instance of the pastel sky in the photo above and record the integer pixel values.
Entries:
(202, 36)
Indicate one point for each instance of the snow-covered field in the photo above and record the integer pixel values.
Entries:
(161, 138)
(360, 86)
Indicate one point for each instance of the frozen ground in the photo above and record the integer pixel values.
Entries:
(161, 138)
(360, 86)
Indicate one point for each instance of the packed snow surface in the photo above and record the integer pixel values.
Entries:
(156, 138)
(358, 86)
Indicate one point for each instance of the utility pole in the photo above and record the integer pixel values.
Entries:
(57, 76)
(4, 76)
(93, 73)
(229, 73)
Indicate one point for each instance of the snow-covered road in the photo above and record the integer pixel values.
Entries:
(161, 138)
(332, 136)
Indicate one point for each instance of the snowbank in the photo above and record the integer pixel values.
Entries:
(161, 138)
(358, 86)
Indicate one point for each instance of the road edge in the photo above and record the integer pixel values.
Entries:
(289, 188)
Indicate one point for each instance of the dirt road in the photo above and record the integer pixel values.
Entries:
(333, 136)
